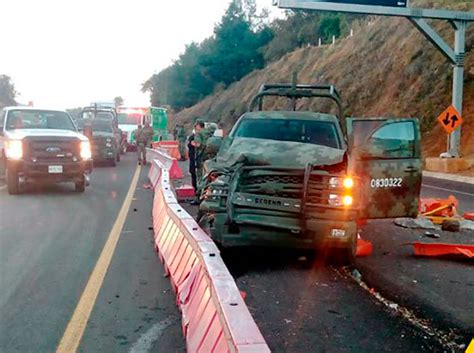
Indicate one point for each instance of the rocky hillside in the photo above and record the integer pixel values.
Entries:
(386, 69)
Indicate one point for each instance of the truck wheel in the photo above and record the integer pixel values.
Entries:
(3, 167)
(345, 256)
(13, 182)
(113, 162)
(118, 156)
(80, 185)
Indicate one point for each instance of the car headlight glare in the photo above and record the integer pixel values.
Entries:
(337, 182)
(339, 200)
(108, 144)
(86, 152)
(347, 200)
(14, 149)
(348, 183)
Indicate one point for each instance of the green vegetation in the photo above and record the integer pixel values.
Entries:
(243, 41)
(7, 92)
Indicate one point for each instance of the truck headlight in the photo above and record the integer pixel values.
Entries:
(86, 152)
(108, 139)
(347, 200)
(14, 149)
(338, 182)
(108, 144)
(339, 200)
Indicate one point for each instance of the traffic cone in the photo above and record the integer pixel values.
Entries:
(175, 170)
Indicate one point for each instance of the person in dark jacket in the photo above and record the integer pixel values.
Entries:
(192, 161)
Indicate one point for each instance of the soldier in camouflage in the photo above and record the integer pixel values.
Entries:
(143, 136)
(181, 135)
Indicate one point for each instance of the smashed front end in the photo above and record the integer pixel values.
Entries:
(300, 207)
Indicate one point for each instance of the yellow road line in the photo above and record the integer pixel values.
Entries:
(77, 325)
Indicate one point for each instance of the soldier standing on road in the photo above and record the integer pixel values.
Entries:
(143, 136)
(200, 138)
(182, 142)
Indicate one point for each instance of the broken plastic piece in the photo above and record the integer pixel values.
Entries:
(443, 249)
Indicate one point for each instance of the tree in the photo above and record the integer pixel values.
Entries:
(7, 92)
(118, 101)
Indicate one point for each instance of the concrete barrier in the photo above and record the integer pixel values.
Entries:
(215, 317)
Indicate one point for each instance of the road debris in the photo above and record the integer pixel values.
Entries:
(432, 235)
(443, 249)
(447, 339)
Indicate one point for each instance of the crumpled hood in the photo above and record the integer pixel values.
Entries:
(252, 151)
(19, 134)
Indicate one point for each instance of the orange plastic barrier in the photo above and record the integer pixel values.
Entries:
(171, 147)
(364, 247)
(443, 249)
(215, 317)
(168, 162)
(439, 207)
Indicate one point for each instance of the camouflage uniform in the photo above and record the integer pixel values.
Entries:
(182, 142)
(201, 137)
(143, 137)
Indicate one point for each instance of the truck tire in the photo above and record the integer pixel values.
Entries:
(113, 162)
(345, 256)
(13, 182)
(3, 166)
(118, 157)
(80, 185)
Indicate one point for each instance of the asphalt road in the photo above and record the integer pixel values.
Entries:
(50, 241)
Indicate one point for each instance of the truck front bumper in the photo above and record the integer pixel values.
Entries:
(315, 233)
(40, 171)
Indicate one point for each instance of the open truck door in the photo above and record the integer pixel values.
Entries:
(385, 154)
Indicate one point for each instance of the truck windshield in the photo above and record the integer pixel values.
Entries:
(97, 115)
(39, 119)
(322, 133)
(101, 125)
(129, 119)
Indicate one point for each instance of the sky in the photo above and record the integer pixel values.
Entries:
(68, 53)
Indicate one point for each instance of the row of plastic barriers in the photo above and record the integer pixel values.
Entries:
(214, 316)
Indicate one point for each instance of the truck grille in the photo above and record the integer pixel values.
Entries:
(57, 150)
(289, 185)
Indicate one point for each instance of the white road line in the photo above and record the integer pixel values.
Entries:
(449, 190)
(145, 342)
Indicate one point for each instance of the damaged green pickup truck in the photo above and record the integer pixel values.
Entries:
(308, 180)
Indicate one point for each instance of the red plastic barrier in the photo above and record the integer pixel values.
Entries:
(215, 317)
(185, 192)
(443, 249)
(469, 215)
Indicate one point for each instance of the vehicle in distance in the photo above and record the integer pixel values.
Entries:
(105, 140)
(42, 145)
(298, 179)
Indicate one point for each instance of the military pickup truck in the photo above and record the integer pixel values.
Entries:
(308, 179)
(105, 136)
(42, 145)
